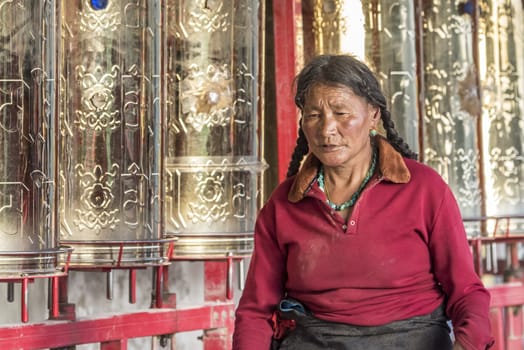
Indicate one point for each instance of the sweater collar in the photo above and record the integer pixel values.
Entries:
(391, 166)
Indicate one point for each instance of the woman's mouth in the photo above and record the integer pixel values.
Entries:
(329, 148)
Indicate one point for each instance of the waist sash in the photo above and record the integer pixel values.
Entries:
(426, 332)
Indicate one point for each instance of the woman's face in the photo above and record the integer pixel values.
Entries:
(336, 123)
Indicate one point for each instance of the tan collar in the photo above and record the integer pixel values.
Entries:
(391, 166)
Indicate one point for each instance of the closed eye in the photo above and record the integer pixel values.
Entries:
(312, 115)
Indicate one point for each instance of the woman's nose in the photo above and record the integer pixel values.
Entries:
(328, 125)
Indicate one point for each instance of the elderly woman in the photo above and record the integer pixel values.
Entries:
(362, 247)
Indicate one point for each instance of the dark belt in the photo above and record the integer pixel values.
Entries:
(302, 331)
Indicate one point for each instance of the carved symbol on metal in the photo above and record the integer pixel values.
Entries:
(209, 17)
(6, 206)
(243, 100)
(97, 101)
(97, 21)
(328, 18)
(206, 97)
(135, 185)
(505, 181)
(10, 109)
(96, 198)
(12, 207)
(239, 201)
(212, 203)
(469, 192)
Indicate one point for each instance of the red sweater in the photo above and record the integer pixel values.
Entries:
(402, 253)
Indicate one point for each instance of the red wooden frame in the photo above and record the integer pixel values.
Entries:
(116, 329)
(215, 317)
(285, 35)
(506, 315)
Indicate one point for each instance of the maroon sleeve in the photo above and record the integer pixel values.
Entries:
(467, 298)
(263, 289)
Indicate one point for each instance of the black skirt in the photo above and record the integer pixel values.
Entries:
(427, 332)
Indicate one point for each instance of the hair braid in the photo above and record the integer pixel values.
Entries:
(393, 137)
(377, 98)
(301, 149)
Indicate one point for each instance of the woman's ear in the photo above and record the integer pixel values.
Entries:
(375, 116)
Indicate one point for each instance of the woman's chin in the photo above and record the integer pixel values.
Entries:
(332, 162)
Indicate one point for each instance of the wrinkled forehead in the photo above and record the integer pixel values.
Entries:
(315, 86)
(330, 94)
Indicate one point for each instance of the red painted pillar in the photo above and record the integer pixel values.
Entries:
(285, 37)
(216, 292)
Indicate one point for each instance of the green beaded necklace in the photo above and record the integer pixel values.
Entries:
(355, 195)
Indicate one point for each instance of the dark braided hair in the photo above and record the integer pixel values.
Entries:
(301, 149)
(348, 71)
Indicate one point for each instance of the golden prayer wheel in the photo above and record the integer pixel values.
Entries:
(212, 158)
(501, 46)
(451, 105)
(28, 136)
(111, 124)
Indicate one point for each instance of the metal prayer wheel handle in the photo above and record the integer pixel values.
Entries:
(10, 292)
(109, 285)
(241, 275)
(233, 262)
(230, 274)
(131, 285)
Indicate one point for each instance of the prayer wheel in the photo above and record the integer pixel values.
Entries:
(212, 163)
(111, 148)
(28, 139)
(451, 105)
(501, 44)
